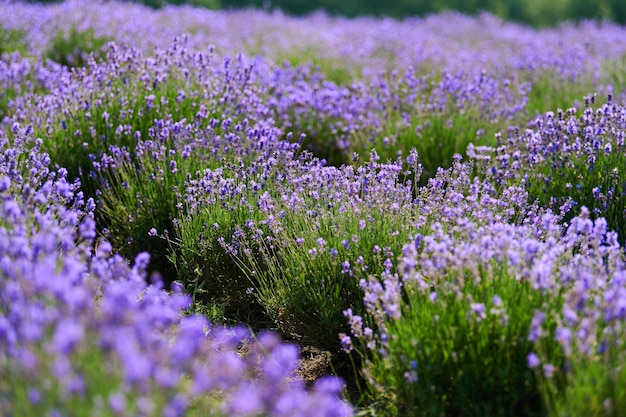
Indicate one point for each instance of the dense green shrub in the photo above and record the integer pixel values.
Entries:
(12, 40)
(73, 47)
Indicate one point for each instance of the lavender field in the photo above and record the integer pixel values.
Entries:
(242, 213)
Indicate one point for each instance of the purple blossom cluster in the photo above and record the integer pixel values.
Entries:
(107, 97)
(392, 111)
(561, 140)
(468, 225)
(326, 226)
(568, 159)
(19, 76)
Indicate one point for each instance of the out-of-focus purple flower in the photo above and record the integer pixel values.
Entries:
(282, 362)
(34, 396)
(535, 326)
(246, 400)
(87, 228)
(67, 335)
(533, 360)
(117, 402)
(479, 311)
(548, 370)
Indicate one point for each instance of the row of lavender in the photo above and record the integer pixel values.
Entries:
(81, 333)
(448, 76)
(365, 46)
(482, 291)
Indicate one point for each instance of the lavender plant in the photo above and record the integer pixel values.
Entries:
(115, 102)
(446, 329)
(439, 115)
(164, 212)
(587, 328)
(218, 200)
(319, 231)
(567, 161)
(126, 110)
(19, 75)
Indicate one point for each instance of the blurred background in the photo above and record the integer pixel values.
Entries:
(538, 13)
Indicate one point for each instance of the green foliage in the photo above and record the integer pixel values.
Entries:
(594, 386)
(550, 91)
(12, 40)
(534, 12)
(334, 70)
(156, 4)
(207, 4)
(309, 272)
(73, 47)
(437, 138)
(208, 271)
(436, 121)
(139, 195)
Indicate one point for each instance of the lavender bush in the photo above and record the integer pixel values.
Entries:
(73, 48)
(317, 231)
(569, 160)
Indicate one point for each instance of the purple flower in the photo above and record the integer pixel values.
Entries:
(141, 263)
(548, 370)
(12, 210)
(535, 326)
(346, 342)
(117, 402)
(246, 400)
(496, 301)
(533, 360)
(34, 395)
(87, 229)
(137, 366)
(67, 335)
(5, 183)
(563, 335)
(282, 363)
(345, 267)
